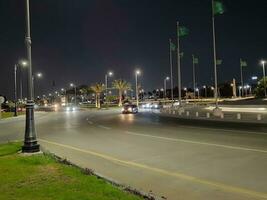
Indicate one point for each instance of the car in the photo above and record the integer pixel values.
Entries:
(70, 108)
(129, 108)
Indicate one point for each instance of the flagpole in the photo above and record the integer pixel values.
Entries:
(194, 76)
(171, 69)
(214, 58)
(179, 66)
(241, 77)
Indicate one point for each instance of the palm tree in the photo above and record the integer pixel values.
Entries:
(98, 89)
(121, 85)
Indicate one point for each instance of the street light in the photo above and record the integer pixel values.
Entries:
(254, 78)
(74, 86)
(38, 75)
(264, 82)
(197, 90)
(205, 88)
(109, 74)
(240, 88)
(30, 140)
(165, 86)
(21, 63)
(137, 72)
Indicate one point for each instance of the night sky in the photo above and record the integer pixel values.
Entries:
(80, 40)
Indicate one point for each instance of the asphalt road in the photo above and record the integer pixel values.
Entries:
(166, 156)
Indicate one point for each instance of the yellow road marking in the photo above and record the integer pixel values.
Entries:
(221, 186)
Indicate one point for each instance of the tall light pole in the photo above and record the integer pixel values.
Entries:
(21, 64)
(74, 86)
(165, 86)
(205, 88)
(194, 76)
(137, 72)
(38, 75)
(30, 140)
(197, 90)
(171, 64)
(217, 110)
(264, 81)
(179, 66)
(109, 74)
(15, 87)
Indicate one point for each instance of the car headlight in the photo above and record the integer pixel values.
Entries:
(130, 109)
(73, 109)
(68, 109)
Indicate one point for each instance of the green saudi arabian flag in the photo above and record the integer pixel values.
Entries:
(195, 60)
(172, 46)
(183, 31)
(243, 63)
(218, 62)
(218, 7)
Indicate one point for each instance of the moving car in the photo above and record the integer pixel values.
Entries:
(129, 109)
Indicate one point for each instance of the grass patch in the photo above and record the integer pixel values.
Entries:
(42, 177)
(10, 114)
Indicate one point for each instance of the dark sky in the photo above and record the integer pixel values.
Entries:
(79, 40)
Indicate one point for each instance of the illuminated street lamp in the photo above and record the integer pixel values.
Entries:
(75, 91)
(264, 81)
(165, 86)
(197, 90)
(254, 78)
(21, 63)
(38, 75)
(137, 73)
(109, 74)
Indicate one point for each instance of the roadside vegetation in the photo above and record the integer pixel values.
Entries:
(42, 177)
(10, 114)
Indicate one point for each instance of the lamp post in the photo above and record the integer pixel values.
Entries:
(30, 140)
(197, 90)
(165, 86)
(137, 72)
(109, 74)
(205, 88)
(264, 81)
(75, 92)
(16, 66)
(15, 87)
(38, 75)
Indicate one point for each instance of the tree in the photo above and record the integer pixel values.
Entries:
(259, 91)
(97, 89)
(121, 85)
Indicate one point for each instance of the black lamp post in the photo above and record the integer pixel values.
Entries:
(30, 142)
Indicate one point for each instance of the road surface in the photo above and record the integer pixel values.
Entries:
(165, 156)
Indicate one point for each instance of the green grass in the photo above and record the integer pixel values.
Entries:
(10, 114)
(42, 177)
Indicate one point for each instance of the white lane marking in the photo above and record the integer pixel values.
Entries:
(199, 143)
(104, 127)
